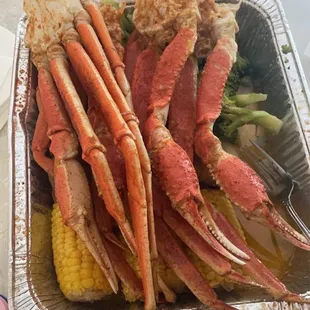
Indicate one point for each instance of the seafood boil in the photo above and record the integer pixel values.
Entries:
(118, 133)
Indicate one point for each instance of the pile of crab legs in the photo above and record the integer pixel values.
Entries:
(85, 100)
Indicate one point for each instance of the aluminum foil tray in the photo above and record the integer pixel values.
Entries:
(32, 280)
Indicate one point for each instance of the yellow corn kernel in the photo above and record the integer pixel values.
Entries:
(87, 257)
(76, 287)
(99, 283)
(75, 254)
(88, 283)
(86, 273)
(74, 268)
(75, 277)
(96, 273)
(64, 262)
(87, 265)
(79, 276)
(74, 261)
(65, 271)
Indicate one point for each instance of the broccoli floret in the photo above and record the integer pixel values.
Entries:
(232, 84)
(235, 114)
(234, 117)
(242, 64)
(227, 100)
(286, 49)
(239, 70)
(220, 131)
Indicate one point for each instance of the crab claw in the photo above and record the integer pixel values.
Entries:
(162, 209)
(249, 194)
(73, 195)
(269, 217)
(202, 249)
(257, 270)
(170, 162)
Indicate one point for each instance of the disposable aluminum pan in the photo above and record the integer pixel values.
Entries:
(32, 280)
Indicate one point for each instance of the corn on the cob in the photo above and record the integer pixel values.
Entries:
(79, 276)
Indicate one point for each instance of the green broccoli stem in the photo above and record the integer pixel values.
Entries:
(247, 99)
(241, 116)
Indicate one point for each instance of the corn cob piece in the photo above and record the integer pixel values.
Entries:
(79, 276)
(166, 273)
(213, 278)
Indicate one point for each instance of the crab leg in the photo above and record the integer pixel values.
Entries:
(141, 83)
(41, 142)
(93, 150)
(79, 88)
(114, 156)
(254, 267)
(95, 87)
(181, 125)
(114, 246)
(97, 55)
(170, 162)
(116, 163)
(182, 110)
(240, 183)
(71, 186)
(106, 41)
(184, 269)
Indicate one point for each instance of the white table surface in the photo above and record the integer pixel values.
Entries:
(297, 13)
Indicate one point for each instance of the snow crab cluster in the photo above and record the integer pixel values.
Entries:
(137, 124)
